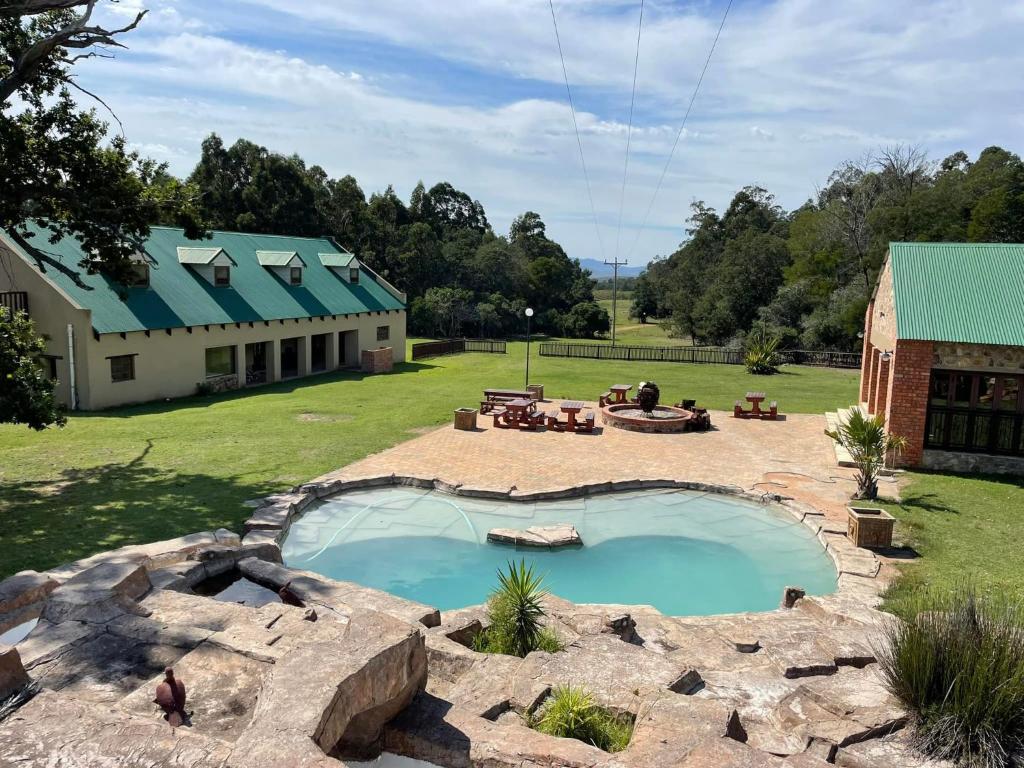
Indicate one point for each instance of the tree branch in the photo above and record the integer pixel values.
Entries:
(75, 35)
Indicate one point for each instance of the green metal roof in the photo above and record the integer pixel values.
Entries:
(278, 258)
(336, 259)
(959, 292)
(178, 296)
(199, 256)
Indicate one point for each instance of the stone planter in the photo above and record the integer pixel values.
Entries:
(536, 391)
(869, 527)
(465, 418)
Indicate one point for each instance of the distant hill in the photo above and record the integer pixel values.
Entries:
(599, 269)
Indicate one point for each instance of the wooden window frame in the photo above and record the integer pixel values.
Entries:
(131, 367)
(387, 333)
(292, 273)
(353, 275)
(216, 279)
(972, 410)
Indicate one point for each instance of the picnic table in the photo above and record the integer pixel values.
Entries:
(492, 397)
(755, 399)
(620, 391)
(571, 408)
(520, 413)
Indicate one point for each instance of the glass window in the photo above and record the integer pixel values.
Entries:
(220, 361)
(122, 368)
(353, 275)
(936, 433)
(962, 384)
(940, 389)
(986, 391)
(958, 430)
(979, 438)
(383, 332)
(1004, 434)
(222, 275)
(295, 275)
(1009, 394)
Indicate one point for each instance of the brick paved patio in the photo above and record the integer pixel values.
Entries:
(791, 457)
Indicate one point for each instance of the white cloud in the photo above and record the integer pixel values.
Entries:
(795, 87)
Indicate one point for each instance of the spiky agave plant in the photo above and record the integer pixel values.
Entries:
(762, 353)
(865, 439)
(517, 610)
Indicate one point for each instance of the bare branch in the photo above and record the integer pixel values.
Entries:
(76, 35)
(71, 81)
(35, 7)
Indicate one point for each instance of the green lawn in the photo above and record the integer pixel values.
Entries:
(632, 331)
(964, 528)
(157, 471)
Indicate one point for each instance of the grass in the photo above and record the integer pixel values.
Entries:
(963, 527)
(157, 471)
(958, 667)
(630, 331)
(570, 712)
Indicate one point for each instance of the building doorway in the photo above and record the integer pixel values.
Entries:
(318, 352)
(256, 363)
(289, 358)
(348, 349)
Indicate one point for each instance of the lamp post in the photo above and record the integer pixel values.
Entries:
(529, 314)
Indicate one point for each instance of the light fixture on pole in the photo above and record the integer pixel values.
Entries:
(529, 314)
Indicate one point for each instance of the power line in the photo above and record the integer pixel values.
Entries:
(579, 141)
(679, 135)
(629, 133)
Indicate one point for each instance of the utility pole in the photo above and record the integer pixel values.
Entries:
(615, 289)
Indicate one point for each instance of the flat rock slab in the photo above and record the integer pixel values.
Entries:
(433, 730)
(221, 688)
(727, 753)
(550, 536)
(54, 729)
(23, 589)
(669, 727)
(618, 674)
(885, 753)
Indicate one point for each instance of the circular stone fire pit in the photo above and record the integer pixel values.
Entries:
(631, 417)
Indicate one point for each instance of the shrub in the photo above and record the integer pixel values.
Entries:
(516, 613)
(571, 713)
(868, 445)
(762, 358)
(958, 667)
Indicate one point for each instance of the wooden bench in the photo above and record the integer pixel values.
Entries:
(498, 413)
(588, 423)
(603, 400)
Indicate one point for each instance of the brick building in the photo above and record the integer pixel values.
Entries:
(944, 354)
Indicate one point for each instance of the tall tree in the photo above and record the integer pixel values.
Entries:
(26, 393)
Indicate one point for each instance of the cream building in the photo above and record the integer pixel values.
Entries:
(233, 311)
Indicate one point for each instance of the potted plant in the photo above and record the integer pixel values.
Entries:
(864, 437)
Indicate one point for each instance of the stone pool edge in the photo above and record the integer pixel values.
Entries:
(857, 570)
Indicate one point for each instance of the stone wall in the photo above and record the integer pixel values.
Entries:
(978, 357)
(955, 461)
(378, 360)
(883, 312)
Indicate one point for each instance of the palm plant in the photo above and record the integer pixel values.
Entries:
(762, 357)
(865, 439)
(516, 611)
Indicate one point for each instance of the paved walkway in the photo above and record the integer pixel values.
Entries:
(791, 457)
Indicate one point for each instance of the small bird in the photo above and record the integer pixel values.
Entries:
(170, 696)
(288, 597)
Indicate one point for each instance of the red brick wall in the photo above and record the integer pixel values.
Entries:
(882, 383)
(907, 407)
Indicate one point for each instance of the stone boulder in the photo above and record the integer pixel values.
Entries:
(545, 536)
(23, 589)
(13, 676)
(99, 593)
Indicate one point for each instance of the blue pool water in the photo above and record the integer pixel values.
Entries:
(684, 552)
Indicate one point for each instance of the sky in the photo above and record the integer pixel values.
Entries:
(472, 92)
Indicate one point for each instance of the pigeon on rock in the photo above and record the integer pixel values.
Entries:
(170, 696)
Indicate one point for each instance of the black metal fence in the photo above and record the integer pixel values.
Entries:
(427, 349)
(714, 355)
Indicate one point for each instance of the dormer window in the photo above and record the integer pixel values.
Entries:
(353, 274)
(212, 264)
(287, 265)
(138, 276)
(342, 263)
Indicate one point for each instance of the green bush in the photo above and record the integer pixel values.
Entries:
(958, 667)
(571, 713)
(762, 357)
(516, 613)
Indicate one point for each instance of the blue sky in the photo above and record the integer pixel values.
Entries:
(471, 92)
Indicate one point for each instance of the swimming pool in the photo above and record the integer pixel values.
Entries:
(684, 552)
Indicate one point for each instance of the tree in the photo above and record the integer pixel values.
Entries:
(58, 173)
(585, 320)
(26, 393)
(449, 308)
